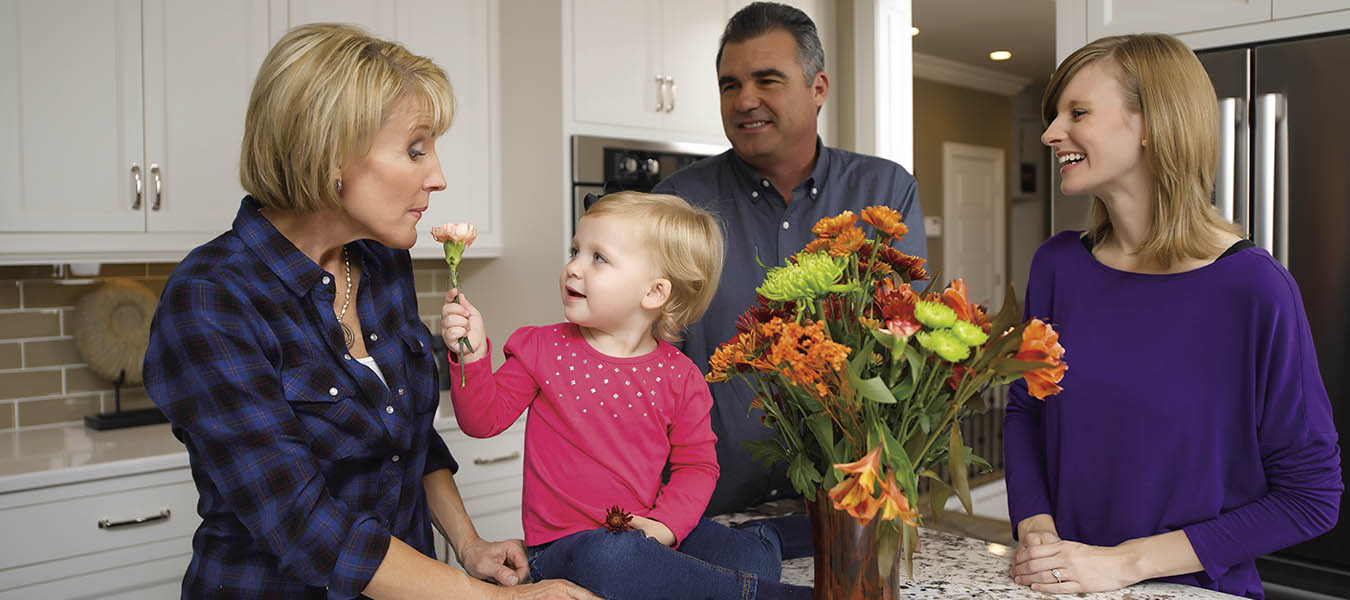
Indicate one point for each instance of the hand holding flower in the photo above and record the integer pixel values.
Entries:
(460, 320)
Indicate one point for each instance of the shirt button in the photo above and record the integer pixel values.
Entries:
(332, 391)
(395, 458)
(786, 225)
(347, 356)
(326, 279)
(814, 191)
(374, 337)
(773, 492)
(764, 183)
(389, 409)
(400, 391)
(754, 194)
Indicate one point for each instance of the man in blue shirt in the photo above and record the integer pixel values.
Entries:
(768, 190)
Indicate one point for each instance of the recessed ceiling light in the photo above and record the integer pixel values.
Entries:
(913, 31)
(1000, 55)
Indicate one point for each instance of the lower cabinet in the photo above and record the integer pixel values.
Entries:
(121, 537)
(489, 481)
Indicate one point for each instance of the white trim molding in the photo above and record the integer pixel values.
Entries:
(953, 72)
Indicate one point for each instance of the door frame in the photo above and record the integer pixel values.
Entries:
(950, 150)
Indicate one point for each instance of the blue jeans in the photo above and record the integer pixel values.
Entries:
(713, 562)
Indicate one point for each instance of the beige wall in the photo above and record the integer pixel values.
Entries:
(947, 113)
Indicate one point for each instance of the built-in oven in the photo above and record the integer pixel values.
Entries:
(604, 165)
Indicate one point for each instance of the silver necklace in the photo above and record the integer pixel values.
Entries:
(347, 335)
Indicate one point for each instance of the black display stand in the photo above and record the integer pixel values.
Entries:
(118, 418)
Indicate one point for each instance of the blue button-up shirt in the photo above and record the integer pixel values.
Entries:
(305, 462)
(760, 227)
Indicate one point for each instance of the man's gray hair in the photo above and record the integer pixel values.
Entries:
(760, 18)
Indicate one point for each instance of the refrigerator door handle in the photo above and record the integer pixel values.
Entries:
(1230, 181)
(1271, 186)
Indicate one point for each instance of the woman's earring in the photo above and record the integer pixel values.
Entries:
(339, 186)
(1143, 143)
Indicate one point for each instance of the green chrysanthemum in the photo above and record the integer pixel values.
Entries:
(944, 343)
(934, 315)
(812, 276)
(970, 333)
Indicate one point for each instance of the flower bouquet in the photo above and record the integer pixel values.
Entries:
(456, 237)
(865, 381)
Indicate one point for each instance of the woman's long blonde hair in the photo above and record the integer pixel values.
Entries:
(1164, 82)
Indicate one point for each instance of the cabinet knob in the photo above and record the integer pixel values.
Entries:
(652, 166)
(136, 186)
(670, 103)
(159, 186)
(660, 93)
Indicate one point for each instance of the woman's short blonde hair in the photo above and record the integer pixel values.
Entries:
(1165, 83)
(686, 246)
(322, 93)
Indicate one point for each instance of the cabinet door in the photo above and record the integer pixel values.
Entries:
(615, 63)
(1111, 17)
(1297, 8)
(201, 57)
(70, 108)
(690, 32)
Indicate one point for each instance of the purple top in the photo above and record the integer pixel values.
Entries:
(1192, 401)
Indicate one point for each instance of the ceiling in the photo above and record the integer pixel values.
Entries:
(967, 30)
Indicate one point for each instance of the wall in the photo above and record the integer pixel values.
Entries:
(947, 113)
(43, 379)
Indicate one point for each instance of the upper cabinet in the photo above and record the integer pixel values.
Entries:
(1111, 17)
(125, 146)
(1199, 23)
(133, 132)
(460, 36)
(647, 63)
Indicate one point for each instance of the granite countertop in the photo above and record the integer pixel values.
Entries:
(35, 458)
(952, 566)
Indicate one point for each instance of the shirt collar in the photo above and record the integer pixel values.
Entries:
(295, 270)
(754, 182)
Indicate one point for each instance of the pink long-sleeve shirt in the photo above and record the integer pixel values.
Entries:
(600, 432)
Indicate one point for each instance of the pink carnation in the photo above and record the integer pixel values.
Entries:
(464, 233)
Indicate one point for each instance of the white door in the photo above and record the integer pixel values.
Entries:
(690, 32)
(973, 206)
(201, 57)
(615, 63)
(70, 115)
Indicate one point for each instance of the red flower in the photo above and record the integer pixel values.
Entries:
(617, 520)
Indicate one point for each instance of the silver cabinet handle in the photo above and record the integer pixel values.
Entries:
(660, 93)
(480, 461)
(1230, 181)
(670, 82)
(159, 186)
(1269, 224)
(111, 524)
(136, 185)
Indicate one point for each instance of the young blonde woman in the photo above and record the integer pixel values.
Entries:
(1194, 433)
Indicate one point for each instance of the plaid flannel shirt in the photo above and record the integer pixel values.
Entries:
(305, 463)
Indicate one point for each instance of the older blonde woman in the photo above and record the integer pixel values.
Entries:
(289, 356)
(1194, 433)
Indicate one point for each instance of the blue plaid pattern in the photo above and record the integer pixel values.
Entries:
(305, 463)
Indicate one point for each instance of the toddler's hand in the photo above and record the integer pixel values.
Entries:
(462, 320)
(654, 529)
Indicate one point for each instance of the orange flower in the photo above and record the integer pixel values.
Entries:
(817, 245)
(803, 354)
(894, 503)
(829, 227)
(867, 468)
(733, 356)
(886, 221)
(955, 297)
(852, 496)
(1040, 343)
(901, 262)
(847, 242)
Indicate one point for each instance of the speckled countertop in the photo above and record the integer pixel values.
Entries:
(951, 566)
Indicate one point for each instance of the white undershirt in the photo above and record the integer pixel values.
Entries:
(369, 361)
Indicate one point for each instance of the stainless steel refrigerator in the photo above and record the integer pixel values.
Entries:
(1284, 176)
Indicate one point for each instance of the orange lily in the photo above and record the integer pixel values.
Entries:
(854, 496)
(1040, 343)
(867, 468)
(956, 298)
(894, 503)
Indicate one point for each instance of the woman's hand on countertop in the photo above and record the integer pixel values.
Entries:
(1081, 567)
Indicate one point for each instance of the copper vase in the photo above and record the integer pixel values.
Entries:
(853, 561)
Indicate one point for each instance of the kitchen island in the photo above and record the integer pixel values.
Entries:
(952, 566)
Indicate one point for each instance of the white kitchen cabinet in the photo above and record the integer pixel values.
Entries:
(1112, 17)
(489, 480)
(460, 36)
(647, 64)
(127, 141)
(1282, 9)
(81, 539)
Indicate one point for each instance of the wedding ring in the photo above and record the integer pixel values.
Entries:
(1055, 572)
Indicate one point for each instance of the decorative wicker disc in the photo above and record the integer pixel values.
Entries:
(111, 326)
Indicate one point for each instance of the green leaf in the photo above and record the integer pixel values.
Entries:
(803, 474)
(911, 543)
(938, 492)
(767, 452)
(1012, 365)
(956, 467)
(1010, 314)
(903, 390)
(925, 423)
(915, 363)
(875, 389)
(823, 428)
